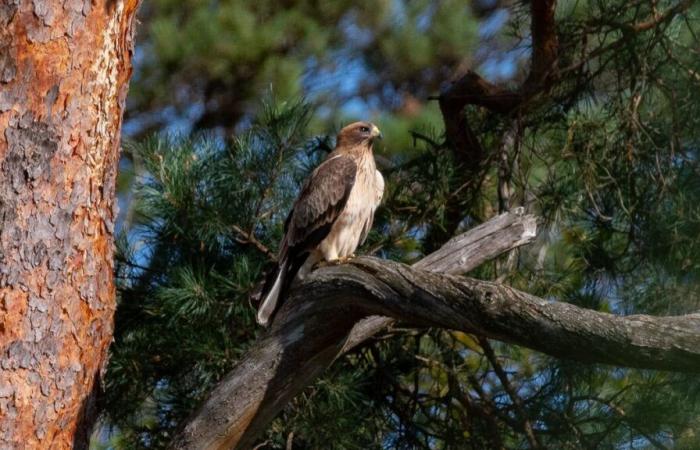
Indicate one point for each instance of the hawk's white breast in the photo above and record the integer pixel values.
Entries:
(357, 216)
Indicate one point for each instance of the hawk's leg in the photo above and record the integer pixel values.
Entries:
(344, 259)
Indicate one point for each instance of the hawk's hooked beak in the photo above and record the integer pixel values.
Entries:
(376, 133)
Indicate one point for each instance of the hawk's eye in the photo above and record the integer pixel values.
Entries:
(364, 129)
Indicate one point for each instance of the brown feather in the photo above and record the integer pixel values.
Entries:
(327, 213)
(321, 200)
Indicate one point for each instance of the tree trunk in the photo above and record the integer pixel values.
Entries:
(64, 72)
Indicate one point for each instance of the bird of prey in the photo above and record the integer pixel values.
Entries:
(332, 215)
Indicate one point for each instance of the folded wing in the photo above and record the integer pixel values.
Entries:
(320, 202)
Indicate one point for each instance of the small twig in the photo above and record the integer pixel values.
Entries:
(416, 135)
(247, 238)
(667, 16)
(488, 415)
(515, 398)
(622, 414)
(261, 445)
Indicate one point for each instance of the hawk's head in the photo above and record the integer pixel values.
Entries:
(358, 134)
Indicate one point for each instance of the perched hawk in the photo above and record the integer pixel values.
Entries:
(332, 215)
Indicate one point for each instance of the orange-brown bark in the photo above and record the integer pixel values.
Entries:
(64, 71)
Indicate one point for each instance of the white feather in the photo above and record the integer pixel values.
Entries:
(269, 303)
(378, 188)
(366, 194)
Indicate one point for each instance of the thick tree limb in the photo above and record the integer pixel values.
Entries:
(325, 316)
(311, 328)
(228, 413)
(496, 311)
(460, 255)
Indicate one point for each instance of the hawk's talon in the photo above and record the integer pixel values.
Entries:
(320, 264)
(344, 259)
(336, 262)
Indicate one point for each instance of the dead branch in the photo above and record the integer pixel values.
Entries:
(313, 326)
(460, 255)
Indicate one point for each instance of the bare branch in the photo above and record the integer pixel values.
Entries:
(247, 238)
(311, 329)
(500, 312)
(460, 255)
(341, 306)
(481, 244)
(466, 251)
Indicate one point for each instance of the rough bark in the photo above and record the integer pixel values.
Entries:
(371, 286)
(64, 71)
(262, 383)
(466, 251)
(317, 323)
(460, 255)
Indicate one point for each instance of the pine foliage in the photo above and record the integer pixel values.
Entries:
(608, 160)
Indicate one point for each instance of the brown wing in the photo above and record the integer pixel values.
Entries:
(321, 200)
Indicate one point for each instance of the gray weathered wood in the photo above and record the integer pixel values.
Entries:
(459, 255)
(237, 409)
(468, 250)
(312, 330)
(324, 316)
